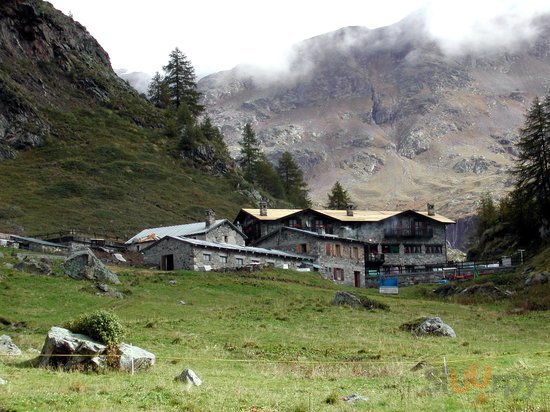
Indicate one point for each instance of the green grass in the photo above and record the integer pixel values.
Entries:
(271, 341)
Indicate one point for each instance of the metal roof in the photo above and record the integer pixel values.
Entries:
(244, 249)
(188, 229)
(37, 241)
(341, 215)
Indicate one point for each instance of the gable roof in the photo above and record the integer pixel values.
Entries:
(232, 247)
(341, 215)
(189, 229)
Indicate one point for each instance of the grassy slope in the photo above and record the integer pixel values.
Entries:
(271, 342)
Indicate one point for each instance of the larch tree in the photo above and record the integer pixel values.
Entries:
(338, 198)
(157, 91)
(532, 168)
(292, 178)
(180, 79)
(250, 152)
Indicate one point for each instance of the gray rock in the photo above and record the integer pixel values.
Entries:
(8, 266)
(106, 290)
(346, 298)
(142, 359)
(85, 265)
(7, 347)
(60, 341)
(190, 377)
(39, 267)
(355, 398)
(537, 279)
(3, 381)
(434, 327)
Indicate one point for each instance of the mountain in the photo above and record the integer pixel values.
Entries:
(390, 114)
(79, 147)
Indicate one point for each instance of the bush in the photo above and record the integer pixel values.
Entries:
(102, 326)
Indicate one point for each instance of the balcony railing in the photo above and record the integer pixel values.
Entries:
(408, 232)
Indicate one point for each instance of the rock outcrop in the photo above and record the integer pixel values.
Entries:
(85, 265)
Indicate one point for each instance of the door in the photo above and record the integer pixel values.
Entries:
(357, 279)
(167, 262)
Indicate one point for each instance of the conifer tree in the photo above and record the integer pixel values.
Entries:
(338, 198)
(158, 91)
(250, 152)
(532, 169)
(292, 178)
(180, 79)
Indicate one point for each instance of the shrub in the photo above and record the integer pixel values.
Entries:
(102, 326)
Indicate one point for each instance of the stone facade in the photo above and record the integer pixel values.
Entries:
(171, 253)
(339, 259)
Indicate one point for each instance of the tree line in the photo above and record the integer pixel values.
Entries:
(522, 218)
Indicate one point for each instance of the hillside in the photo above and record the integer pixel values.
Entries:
(272, 341)
(388, 113)
(80, 148)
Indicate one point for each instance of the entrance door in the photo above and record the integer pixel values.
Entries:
(167, 262)
(357, 278)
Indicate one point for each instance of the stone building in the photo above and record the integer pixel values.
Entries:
(338, 258)
(172, 253)
(410, 240)
(211, 230)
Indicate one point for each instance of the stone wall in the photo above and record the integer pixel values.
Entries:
(194, 257)
(223, 234)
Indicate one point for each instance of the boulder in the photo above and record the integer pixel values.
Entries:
(434, 327)
(85, 265)
(486, 289)
(84, 353)
(142, 359)
(537, 279)
(346, 298)
(7, 347)
(3, 381)
(39, 267)
(189, 377)
(60, 341)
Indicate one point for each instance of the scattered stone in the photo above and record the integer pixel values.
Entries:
(142, 359)
(172, 282)
(8, 266)
(419, 365)
(537, 279)
(346, 298)
(39, 267)
(181, 302)
(3, 381)
(190, 377)
(434, 327)
(486, 289)
(7, 347)
(85, 265)
(446, 290)
(355, 398)
(93, 355)
(106, 290)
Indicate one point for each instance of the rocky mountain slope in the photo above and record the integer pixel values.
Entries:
(390, 114)
(79, 147)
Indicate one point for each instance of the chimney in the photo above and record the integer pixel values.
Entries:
(431, 209)
(209, 217)
(263, 207)
(349, 209)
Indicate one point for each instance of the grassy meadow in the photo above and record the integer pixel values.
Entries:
(271, 341)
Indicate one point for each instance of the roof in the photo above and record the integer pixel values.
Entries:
(310, 233)
(232, 247)
(37, 241)
(189, 229)
(341, 215)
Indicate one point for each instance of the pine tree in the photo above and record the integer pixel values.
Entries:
(295, 187)
(180, 79)
(532, 169)
(158, 91)
(338, 198)
(250, 152)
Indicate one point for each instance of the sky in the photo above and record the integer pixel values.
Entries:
(219, 34)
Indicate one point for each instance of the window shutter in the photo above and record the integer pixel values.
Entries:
(308, 247)
(297, 248)
(327, 249)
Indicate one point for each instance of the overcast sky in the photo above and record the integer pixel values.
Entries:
(219, 34)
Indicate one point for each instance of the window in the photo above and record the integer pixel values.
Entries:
(328, 249)
(223, 259)
(338, 274)
(354, 252)
(338, 250)
(294, 223)
(413, 249)
(206, 257)
(239, 261)
(255, 261)
(390, 248)
(226, 239)
(434, 249)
